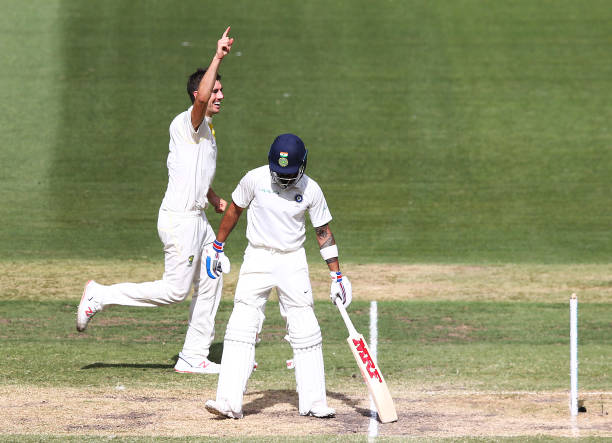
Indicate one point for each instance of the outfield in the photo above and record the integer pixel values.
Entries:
(465, 151)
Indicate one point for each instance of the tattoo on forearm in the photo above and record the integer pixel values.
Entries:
(325, 237)
(330, 241)
(321, 231)
(331, 260)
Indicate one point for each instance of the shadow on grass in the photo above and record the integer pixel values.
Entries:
(216, 351)
(98, 365)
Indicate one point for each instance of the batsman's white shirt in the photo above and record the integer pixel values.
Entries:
(276, 217)
(192, 163)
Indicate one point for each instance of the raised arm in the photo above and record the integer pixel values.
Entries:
(224, 45)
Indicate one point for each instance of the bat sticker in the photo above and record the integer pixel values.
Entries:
(367, 359)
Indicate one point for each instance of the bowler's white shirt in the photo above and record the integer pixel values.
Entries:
(192, 162)
(276, 217)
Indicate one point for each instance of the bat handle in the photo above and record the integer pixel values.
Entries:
(347, 320)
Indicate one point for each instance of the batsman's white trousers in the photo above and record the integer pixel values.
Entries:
(262, 270)
(184, 236)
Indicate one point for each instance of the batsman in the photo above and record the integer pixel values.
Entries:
(278, 196)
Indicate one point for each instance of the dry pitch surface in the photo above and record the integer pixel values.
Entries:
(423, 411)
(440, 413)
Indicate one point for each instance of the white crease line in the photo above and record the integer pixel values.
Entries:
(582, 393)
(373, 428)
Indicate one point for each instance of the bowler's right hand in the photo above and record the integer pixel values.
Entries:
(224, 45)
(216, 260)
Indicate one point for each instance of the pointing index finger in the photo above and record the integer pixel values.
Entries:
(226, 31)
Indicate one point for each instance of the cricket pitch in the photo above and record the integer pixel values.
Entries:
(437, 413)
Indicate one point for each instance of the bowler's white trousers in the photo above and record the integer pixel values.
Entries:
(184, 236)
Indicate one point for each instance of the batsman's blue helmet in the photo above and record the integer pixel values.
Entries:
(287, 160)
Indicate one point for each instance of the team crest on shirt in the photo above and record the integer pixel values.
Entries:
(190, 260)
(299, 198)
(283, 160)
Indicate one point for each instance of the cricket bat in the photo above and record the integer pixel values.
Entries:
(369, 370)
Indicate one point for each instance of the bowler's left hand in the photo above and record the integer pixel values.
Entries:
(220, 206)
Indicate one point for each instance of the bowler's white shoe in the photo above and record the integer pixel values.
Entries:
(201, 366)
(321, 412)
(221, 410)
(88, 306)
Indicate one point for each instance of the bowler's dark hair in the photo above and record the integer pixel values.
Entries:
(194, 82)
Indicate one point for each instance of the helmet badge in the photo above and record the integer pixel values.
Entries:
(283, 160)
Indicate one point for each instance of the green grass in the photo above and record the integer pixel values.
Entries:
(442, 132)
(480, 345)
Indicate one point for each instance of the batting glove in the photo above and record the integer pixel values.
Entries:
(216, 261)
(340, 288)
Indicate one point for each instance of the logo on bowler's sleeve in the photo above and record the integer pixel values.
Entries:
(190, 260)
(299, 198)
(283, 161)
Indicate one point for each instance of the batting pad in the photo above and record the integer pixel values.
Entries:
(303, 328)
(306, 341)
(236, 368)
(238, 356)
(243, 325)
(310, 378)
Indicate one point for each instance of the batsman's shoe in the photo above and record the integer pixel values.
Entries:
(201, 366)
(88, 306)
(221, 410)
(321, 412)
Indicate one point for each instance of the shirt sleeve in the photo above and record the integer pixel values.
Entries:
(181, 130)
(192, 134)
(188, 127)
(318, 210)
(244, 192)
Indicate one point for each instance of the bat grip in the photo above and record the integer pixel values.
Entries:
(347, 320)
